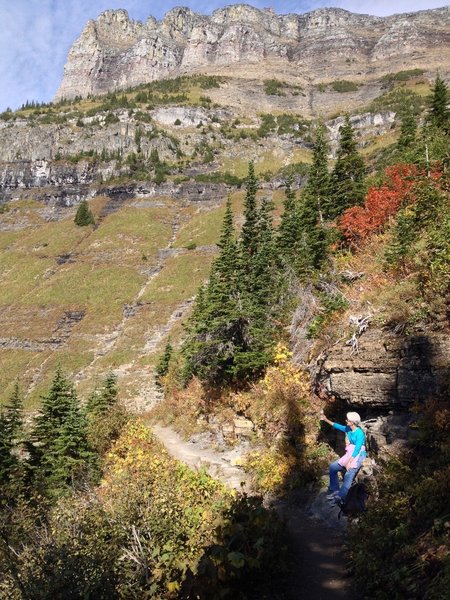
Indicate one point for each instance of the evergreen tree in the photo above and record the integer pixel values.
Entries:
(347, 178)
(230, 332)
(8, 461)
(14, 413)
(84, 215)
(217, 329)
(105, 398)
(314, 203)
(318, 186)
(312, 242)
(11, 436)
(439, 114)
(261, 291)
(60, 449)
(262, 276)
(105, 418)
(302, 238)
(70, 458)
(163, 364)
(56, 405)
(248, 233)
(408, 130)
(288, 229)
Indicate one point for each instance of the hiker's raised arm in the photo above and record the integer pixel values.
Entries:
(324, 418)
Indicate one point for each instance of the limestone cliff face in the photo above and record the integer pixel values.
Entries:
(388, 372)
(23, 140)
(115, 52)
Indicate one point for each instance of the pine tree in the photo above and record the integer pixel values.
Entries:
(8, 461)
(312, 243)
(315, 202)
(60, 448)
(105, 398)
(163, 364)
(56, 405)
(84, 215)
(262, 276)
(302, 239)
(14, 413)
(229, 334)
(216, 329)
(248, 233)
(11, 436)
(104, 418)
(70, 458)
(408, 130)
(288, 230)
(318, 186)
(347, 178)
(261, 291)
(439, 114)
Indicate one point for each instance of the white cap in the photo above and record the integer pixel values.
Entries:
(353, 417)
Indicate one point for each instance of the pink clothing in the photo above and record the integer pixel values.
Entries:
(344, 460)
(351, 462)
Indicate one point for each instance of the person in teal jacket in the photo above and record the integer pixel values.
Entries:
(350, 463)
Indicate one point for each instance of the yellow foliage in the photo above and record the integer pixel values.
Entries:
(270, 469)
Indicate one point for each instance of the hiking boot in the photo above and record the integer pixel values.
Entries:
(332, 496)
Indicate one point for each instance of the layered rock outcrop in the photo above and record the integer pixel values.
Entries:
(115, 52)
(388, 371)
(24, 139)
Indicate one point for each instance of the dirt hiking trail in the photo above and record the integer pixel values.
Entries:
(315, 532)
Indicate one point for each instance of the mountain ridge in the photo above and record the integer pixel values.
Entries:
(115, 52)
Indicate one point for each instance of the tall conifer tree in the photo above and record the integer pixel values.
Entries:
(312, 244)
(263, 272)
(439, 114)
(314, 204)
(60, 447)
(163, 364)
(14, 413)
(248, 233)
(288, 230)
(347, 178)
(11, 436)
(8, 461)
(318, 186)
(408, 130)
(215, 327)
(103, 399)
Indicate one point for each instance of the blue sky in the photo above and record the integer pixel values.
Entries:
(36, 35)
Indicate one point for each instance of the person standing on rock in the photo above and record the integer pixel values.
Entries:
(350, 463)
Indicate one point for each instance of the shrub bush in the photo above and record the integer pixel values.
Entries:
(342, 86)
(399, 548)
(153, 529)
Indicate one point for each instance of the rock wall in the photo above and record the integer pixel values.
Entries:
(115, 52)
(25, 140)
(64, 185)
(389, 372)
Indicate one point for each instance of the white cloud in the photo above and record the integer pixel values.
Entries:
(37, 34)
(385, 7)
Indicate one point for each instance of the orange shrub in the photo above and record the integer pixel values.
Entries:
(381, 203)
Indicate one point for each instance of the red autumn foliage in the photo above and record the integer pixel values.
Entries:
(381, 203)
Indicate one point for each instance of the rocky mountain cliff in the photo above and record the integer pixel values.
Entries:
(115, 52)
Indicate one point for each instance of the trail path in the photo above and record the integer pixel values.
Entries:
(315, 532)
